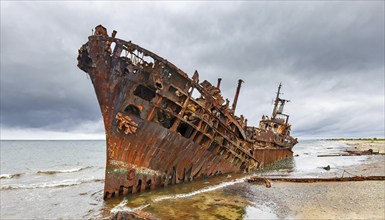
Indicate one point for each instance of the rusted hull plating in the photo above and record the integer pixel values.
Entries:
(164, 158)
(157, 133)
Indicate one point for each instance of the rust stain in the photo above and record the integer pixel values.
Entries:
(158, 133)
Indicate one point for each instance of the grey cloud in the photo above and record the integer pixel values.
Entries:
(329, 56)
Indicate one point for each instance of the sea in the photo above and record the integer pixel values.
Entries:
(64, 180)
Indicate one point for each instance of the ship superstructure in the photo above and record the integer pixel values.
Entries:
(157, 132)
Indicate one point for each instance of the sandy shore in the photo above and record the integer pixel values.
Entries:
(364, 145)
(284, 200)
(334, 200)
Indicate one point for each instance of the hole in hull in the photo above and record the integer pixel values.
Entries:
(121, 190)
(132, 109)
(144, 93)
(139, 185)
(148, 184)
(185, 130)
(106, 195)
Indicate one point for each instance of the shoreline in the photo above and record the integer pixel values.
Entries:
(365, 145)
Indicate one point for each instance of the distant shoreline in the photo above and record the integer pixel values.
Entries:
(319, 139)
(52, 139)
(354, 139)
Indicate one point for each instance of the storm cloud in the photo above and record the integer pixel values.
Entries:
(329, 57)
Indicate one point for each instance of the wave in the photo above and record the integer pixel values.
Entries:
(122, 206)
(48, 172)
(51, 172)
(206, 189)
(10, 176)
(54, 184)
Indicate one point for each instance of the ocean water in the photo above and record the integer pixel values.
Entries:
(64, 180)
(51, 179)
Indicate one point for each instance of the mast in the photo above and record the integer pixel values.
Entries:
(236, 96)
(277, 100)
(219, 82)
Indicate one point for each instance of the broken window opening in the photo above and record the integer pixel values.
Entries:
(196, 122)
(237, 132)
(205, 141)
(132, 109)
(172, 89)
(166, 72)
(210, 131)
(139, 184)
(121, 190)
(149, 60)
(198, 137)
(159, 85)
(144, 92)
(221, 129)
(112, 47)
(225, 143)
(228, 134)
(185, 130)
(213, 145)
(128, 67)
(218, 138)
(243, 166)
(177, 94)
(136, 57)
(148, 184)
(129, 189)
(196, 94)
(171, 106)
(165, 119)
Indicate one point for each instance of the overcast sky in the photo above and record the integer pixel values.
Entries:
(329, 57)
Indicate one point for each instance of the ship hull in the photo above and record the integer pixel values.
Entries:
(269, 156)
(155, 156)
(157, 134)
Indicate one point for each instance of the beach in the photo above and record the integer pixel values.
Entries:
(320, 200)
(364, 145)
(45, 179)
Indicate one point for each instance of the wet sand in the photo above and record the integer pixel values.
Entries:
(373, 165)
(284, 200)
(334, 200)
(364, 145)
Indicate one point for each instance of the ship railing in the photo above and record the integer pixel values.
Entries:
(129, 48)
(206, 121)
(231, 146)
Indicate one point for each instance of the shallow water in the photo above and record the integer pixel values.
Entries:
(64, 179)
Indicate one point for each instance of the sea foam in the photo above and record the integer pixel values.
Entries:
(10, 176)
(53, 184)
(51, 172)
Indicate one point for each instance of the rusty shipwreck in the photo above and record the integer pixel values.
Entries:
(159, 134)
